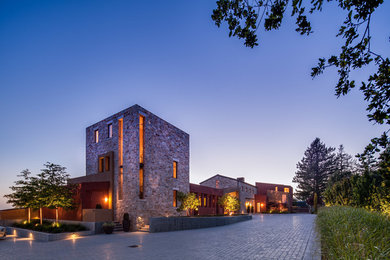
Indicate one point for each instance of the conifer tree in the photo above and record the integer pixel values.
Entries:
(314, 170)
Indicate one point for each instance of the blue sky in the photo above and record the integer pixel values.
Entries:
(250, 112)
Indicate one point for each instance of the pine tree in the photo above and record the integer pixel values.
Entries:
(314, 170)
(344, 166)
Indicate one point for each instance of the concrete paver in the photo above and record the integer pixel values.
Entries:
(285, 236)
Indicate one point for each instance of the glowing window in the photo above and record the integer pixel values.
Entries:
(141, 138)
(175, 198)
(205, 201)
(286, 190)
(107, 163)
(217, 184)
(141, 183)
(109, 130)
(96, 135)
(276, 188)
(101, 164)
(120, 158)
(174, 169)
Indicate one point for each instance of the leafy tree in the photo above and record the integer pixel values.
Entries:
(48, 189)
(189, 202)
(314, 170)
(23, 193)
(244, 17)
(59, 193)
(229, 203)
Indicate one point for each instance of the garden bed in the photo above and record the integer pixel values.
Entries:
(353, 233)
(46, 237)
(49, 226)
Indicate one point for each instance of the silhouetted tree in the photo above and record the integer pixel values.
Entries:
(314, 170)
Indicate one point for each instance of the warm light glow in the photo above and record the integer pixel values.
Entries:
(31, 235)
(286, 190)
(25, 222)
(73, 236)
(174, 169)
(105, 199)
(261, 205)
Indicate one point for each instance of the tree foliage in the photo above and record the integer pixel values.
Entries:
(188, 202)
(229, 203)
(244, 17)
(314, 170)
(47, 189)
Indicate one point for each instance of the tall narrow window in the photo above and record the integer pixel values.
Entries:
(107, 164)
(96, 136)
(276, 188)
(109, 130)
(101, 164)
(174, 169)
(120, 158)
(175, 198)
(141, 156)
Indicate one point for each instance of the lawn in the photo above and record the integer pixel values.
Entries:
(353, 233)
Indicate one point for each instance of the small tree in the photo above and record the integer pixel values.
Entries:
(59, 193)
(230, 203)
(23, 193)
(188, 202)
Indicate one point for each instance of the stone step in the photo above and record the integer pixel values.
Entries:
(144, 229)
(118, 226)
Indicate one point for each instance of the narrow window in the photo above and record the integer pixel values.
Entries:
(217, 184)
(141, 156)
(96, 135)
(107, 164)
(109, 130)
(175, 198)
(101, 164)
(205, 201)
(174, 169)
(276, 188)
(286, 190)
(120, 158)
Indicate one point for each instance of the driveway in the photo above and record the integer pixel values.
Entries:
(284, 236)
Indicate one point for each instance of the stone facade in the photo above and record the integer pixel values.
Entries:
(163, 144)
(246, 192)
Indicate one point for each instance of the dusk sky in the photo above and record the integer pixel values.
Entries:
(251, 113)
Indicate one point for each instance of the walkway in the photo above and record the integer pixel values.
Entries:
(288, 236)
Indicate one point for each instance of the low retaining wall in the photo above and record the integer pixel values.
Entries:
(45, 237)
(164, 224)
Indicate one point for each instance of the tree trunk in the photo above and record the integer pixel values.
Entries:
(40, 215)
(29, 215)
(57, 215)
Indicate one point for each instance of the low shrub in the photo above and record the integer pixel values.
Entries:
(50, 227)
(353, 233)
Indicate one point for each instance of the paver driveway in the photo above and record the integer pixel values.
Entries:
(289, 236)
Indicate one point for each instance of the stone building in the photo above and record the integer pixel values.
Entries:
(270, 195)
(142, 159)
(245, 192)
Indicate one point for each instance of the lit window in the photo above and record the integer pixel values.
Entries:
(204, 201)
(286, 190)
(96, 134)
(175, 198)
(141, 156)
(107, 163)
(101, 164)
(276, 188)
(174, 169)
(217, 184)
(109, 130)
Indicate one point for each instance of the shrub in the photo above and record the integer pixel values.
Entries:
(353, 233)
(50, 227)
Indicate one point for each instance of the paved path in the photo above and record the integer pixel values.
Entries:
(289, 236)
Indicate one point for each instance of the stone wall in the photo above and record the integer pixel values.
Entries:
(163, 143)
(180, 223)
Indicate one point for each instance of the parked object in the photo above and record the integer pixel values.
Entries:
(108, 227)
(3, 232)
(126, 222)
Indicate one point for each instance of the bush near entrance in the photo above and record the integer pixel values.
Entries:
(49, 227)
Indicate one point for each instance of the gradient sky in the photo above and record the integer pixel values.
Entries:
(65, 65)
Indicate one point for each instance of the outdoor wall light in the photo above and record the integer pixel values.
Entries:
(105, 199)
